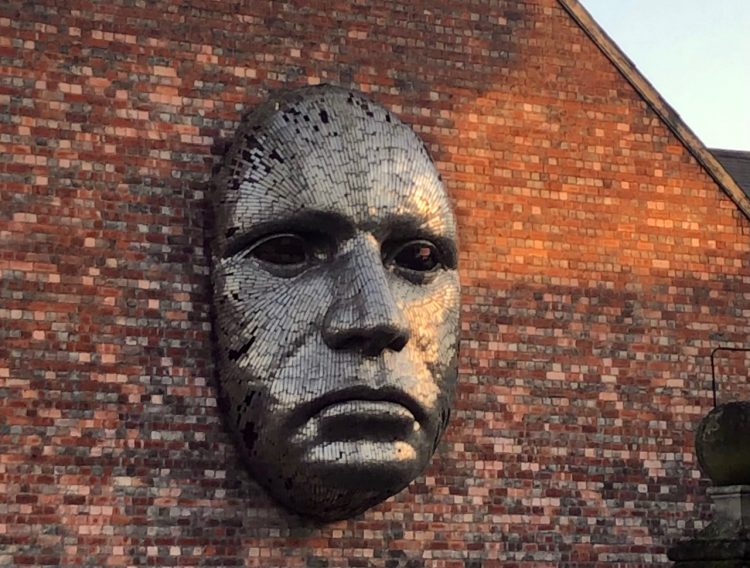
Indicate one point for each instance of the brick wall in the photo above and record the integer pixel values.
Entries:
(600, 266)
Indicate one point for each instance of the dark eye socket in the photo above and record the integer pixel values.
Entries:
(290, 251)
(280, 249)
(418, 256)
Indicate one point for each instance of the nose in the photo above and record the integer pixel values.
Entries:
(364, 315)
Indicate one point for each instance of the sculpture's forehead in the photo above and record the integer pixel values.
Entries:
(332, 154)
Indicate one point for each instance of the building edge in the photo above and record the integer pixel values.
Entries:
(662, 108)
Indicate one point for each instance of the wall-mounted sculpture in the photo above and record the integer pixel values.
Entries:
(336, 300)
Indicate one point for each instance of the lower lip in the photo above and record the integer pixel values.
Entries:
(374, 408)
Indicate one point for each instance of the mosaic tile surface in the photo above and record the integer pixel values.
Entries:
(336, 298)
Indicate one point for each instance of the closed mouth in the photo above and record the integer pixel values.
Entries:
(363, 401)
(366, 420)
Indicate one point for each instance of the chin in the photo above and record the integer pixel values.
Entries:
(328, 489)
(365, 464)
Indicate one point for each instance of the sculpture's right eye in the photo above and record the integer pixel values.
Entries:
(288, 254)
(280, 249)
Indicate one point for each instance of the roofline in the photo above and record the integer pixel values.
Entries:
(628, 69)
(733, 153)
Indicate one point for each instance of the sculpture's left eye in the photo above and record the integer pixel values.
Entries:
(415, 259)
(289, 253)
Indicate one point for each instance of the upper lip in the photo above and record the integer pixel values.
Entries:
(385, 394)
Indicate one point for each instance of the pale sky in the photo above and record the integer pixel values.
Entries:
(696, 53)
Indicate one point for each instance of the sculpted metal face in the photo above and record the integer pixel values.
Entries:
(336, 300)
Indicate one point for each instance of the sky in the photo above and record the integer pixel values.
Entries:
(695, 53)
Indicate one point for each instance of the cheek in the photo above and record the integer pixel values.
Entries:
(261, 322)
(432, 312)
(262, 319)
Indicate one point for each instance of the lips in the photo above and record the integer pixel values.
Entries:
(389, 395)
(366, 419)
(363, 407)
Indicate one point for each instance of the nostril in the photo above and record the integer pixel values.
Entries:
(348, 342)
(370, 342)
(398, 342)
(392, 340)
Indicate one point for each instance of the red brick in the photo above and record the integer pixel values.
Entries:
(600, 265)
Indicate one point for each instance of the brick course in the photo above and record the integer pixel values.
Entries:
(600, 265)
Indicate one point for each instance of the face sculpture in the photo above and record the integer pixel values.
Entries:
(336, 300)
